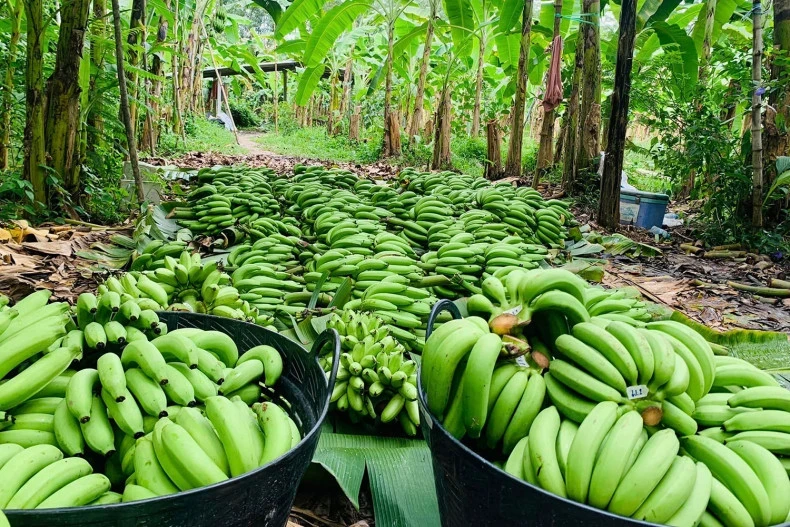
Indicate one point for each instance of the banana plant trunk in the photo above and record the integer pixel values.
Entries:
(545, 154)
(419, 99)
(479, 84)
(63, 97)
(572, 132)
(390, 148)
(513, 162)
(348, 86)
(151, 126)
(98, 36)
(35, 139)
(588, 147)
(441, 144)
(135, 39)
(190, 54)
(777, 113)
(609, 204)
(757, 139)
(6, 105)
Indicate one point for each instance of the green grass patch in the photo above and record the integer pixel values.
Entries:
(468, 154)
(202, 135)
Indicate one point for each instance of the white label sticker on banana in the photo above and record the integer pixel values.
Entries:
(522, 361)
(636, 392)
(513, 310)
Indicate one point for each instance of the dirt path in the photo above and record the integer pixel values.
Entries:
(247, 140)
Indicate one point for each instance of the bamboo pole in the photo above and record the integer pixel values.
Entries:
(778, 284)
(762, 291)
(125, 112)
(757, 138)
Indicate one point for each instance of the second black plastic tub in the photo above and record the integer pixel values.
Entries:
(472, 491)
(262, 497)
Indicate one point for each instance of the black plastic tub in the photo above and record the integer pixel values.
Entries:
(472, 491)
(262, 497)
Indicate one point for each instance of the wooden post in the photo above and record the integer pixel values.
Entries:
(757, 132)
(493, 168)
(285, 86)
(609, 205)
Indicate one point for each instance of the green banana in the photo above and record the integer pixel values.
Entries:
(727, 466)
(543, 451)
(611, 463)
(477, 382)
(646, 473)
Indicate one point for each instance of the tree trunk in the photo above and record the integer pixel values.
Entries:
(35, 140)
(389, 148)
(757, 139)
(707, 39)
(151, 126)
(777, 138)
(513, 163)
(394, 127)
(417, 117)
(572, 137)
(175, 75)
(190, 54)
(479, 85)
(429, 128)
(345, 101)
(441, 144)
(6, 105)
(353, 127)
(98, 37)
(545, 153)
(493, 168)
(588, 147)
(330, 118)
(609, 205)
(63, 97)
(125, 113)
(561, 139)
(135, 40)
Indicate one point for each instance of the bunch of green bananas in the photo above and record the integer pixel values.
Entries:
(374, 379)
(33, 350)
(40, 477)
(184, 284)
(228, 196)
(153, 253)
(616, 304)
(276, 249)
(111, 320)
(181, 411)
(601, 426)
(403, 308)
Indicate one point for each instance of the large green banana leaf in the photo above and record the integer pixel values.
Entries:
(768, 350)
(399, 471)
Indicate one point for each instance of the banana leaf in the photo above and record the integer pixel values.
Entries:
(399, 471)
(617, 244)
(768, 350)
(589, 270)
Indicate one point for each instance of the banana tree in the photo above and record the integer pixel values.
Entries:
(15, 10)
